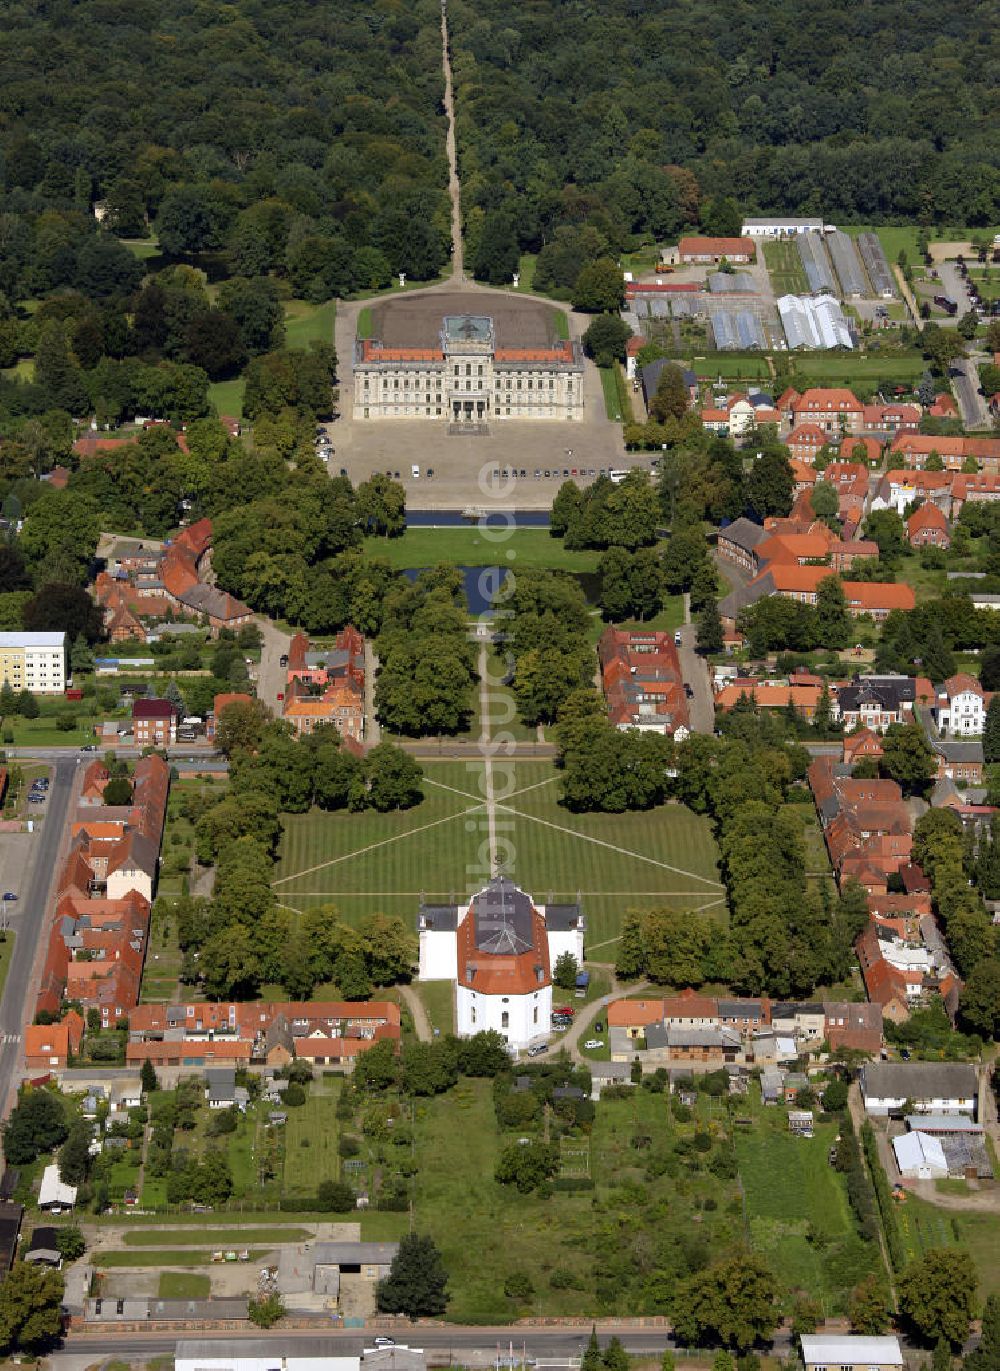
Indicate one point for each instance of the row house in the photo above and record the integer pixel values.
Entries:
(865, 823)
(975, 486)
(98, 929)
(801, 583)
(861, 447)
(834, 410)
(345, 661)
(642, 681)
(892, 419)
(914, 449)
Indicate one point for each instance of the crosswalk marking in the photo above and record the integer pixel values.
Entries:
(6, 1038)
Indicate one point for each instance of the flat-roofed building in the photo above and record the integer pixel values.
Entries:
(849, 1352)
(33, 661)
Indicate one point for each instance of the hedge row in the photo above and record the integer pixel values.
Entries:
(893, 1239)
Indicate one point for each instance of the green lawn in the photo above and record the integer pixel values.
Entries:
(732, 366)
(365, 324)
(368, 861)
(306, 323)
(216, 1237)
(784, 266)
(895, 238)
(144, 248)
(785, 1218)
(438, 999)
(311, 1137)
(612, 405)
(42, 732)
(181, 1257)
(473, 546)
(226, 397)
(561, 323)
(184, 1285)
(6, 953)
(846, 367)
(526, 270)
(669, 619)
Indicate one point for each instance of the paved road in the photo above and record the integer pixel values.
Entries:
(551, 1343)
(964, 373)
(29, 921)
(271, 676)
(694, 670)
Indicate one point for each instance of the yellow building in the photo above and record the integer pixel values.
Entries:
(33, 661)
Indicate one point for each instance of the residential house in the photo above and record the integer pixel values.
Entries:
(805, 440)
(900, 487)
(50, 1045)
(806, 1020)
(874, 702)
(930, 1087)
(863, 743)
(803, 697)
(927, 527)
(944, 407)
(650, 375)
(892, 419)
(221, 702)
(861, 445)
(53, 1194)
(154, 723)
(642, 680)
(959, 759)
(634, 1016)
(691, 1010)
(856, 1026)
(737, 543)
(960, 707)
(836, 411)
(977, 486)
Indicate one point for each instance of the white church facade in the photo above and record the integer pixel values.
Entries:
(500, 951)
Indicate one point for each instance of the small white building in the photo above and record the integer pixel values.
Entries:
(53, 1194)
(779, 228)
(500, 951)
(920, 1157)
(960, 707)
(241, 1354)
(847, 1352)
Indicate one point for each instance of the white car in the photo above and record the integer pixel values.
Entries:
(593, 1043)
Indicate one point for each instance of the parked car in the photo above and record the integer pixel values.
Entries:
(536, 1050)
(9, 895)
(593, 1043)
(385, 1342)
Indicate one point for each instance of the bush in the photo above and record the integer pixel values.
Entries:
(294, 1095)
(518, 1286)
(336, 1196)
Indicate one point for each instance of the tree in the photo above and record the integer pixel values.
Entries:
(392, 778)
(937, 1295)
(59, 607)
(336, 1197)
(709, 627)
(868, 1310)
(70, 1242)
(630, 962)
(770, 485)
(605, 338)
(417, 1282)
(600, 287)
(833, 627)
(670, 400)
(74, 1155)
(498, 253)
(266, 1310)
(824, 500)
(986, 1356)
(979, 1005)
(30, 1308)
(886, 528)
(382, 506)
(36, 1125)
(835, 1096)
(118, 791)
(908, 758)
(240, 726)
(565, 970)
(732, 1302)
(527, 1166)
(991, 731)
(148, 1078)
(968, 325)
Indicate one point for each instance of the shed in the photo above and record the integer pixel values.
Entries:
(53, 1194)
(43, 1249)
(800, 1121)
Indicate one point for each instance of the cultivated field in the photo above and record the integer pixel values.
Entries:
(784, 266)
(366, 862)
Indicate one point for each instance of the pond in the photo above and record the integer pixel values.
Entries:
(453, 518)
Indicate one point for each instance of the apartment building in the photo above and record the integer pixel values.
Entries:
(34, 661)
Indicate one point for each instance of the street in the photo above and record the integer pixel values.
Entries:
(552, 1343)
(964, 373)
(694, 670)
(271, 675)
(28, 921)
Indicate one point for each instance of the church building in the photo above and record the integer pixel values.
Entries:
(500, 951)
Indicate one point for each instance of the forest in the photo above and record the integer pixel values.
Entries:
(589, 124)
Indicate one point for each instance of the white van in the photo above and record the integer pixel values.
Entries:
(415, 472)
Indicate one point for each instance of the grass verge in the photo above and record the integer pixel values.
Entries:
(182, 1285)
(473, 546)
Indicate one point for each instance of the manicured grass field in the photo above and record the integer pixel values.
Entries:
(784, 266)
(306, 323)
(184, 1285)
(363, 862)
(732, 366)
(560, 322)
(364, 325)
(609, 386)
(473, 546)
(846, 367)
(227, 397)
(810, 1198)
(216, 1237)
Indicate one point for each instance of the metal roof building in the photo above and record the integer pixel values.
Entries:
(814, 323)
(848, 264)
(816, 262)
(874, 258)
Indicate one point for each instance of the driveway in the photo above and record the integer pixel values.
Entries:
(694, 670)
(271, 675)
(585, 1016)
(964, 373)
